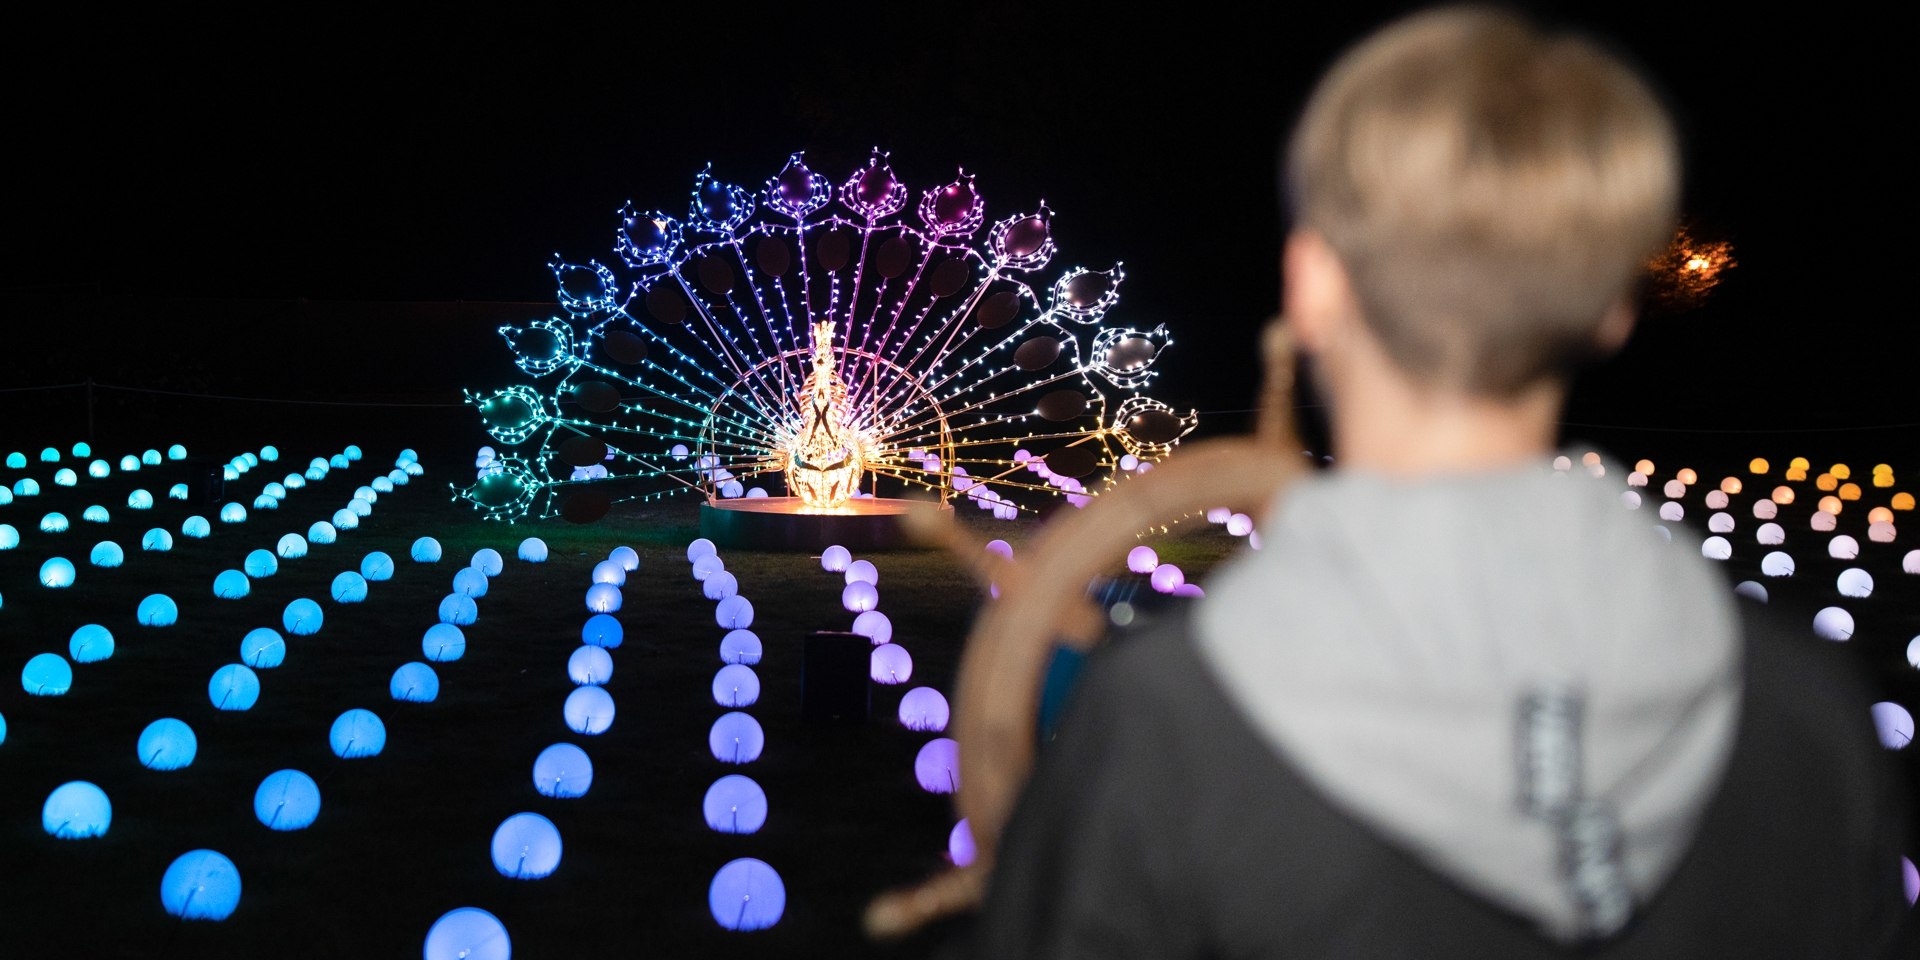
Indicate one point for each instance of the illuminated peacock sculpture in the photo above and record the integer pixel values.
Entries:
(774, 343)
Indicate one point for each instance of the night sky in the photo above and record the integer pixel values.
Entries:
(160, 159)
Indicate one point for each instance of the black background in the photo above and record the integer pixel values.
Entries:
(157, 160)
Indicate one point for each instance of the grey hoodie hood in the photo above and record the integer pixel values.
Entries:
(1508, 674)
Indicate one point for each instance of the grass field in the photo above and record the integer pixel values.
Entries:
(404, 836)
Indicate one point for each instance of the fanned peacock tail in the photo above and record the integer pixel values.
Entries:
(822, 343)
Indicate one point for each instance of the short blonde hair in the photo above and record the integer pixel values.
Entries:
(1491, 188)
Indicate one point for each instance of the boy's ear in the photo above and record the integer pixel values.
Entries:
(1316, 294)
(1616, 325)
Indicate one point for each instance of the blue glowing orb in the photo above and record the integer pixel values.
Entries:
(263, 563)
(383, 484)
(444, 643)
(150, 458)
(65, 477)
(231, 585)
(287, 800)
(263, 648)
(590, 664)
(349, 587)
(157, 610)
(98, 469)
(139, 500)
(468, 933)
(924, 709)
(26, 487)
(3, 728)
(458, 610)
(90, 643)
(278, 491)
(609, 571)
(270, 453)
(361, 509)
(156, 541)
(176, 452)
(603, 598)
(747, 895)
(49, 455)
(76, 810)
(322, 533)
(735, 804)
(875, 626)
(733, 613)
(720, 586)
(735, 738)
(602, 630)
(302, 618)
(57, 573)
(470, 582)
(533, 550)
(707, 566)
(9, 536)
(106, 555)
(960, 846)
(700, 548)
(264, 502)
(177, 492)
(425, 550)
(562, 771)
(234, 687)
(487, 560)
(167, 744)
(357, 733)
(201, 885)
(626, 557)
(526, 846)
(47, 675)
(233, 513)
(16, 460)
(95, 514)
(129, 463)
(736, 685)
(414, 682)
(53, 523)
(291, 547)
(376, 567)
(366, 493)
(740, 646)
(195, 528)
(339, 461)
(345, 520)
(589, 710)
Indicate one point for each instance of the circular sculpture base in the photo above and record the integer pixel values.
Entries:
(783, 523)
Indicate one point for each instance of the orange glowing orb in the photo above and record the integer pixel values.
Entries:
(1758, 466)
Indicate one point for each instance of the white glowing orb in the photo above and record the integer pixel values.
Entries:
(1833, 623)
(1894, 725)
(1770, 534)
(1751, 590)
(1716, 548)
(1720, 523)
(1672, 511)
(1777, 564)
(1843, 547)
(1854, 582)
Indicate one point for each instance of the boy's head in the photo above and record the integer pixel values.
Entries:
(1490, 189)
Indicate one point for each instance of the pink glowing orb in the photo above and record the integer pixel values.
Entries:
(1910, 880)
(1765, 509)
(1636, 479)
(937, 766)
(1880, 531)
(1894, 725)
(1167, 577)
(1142, 559)
(1672, 511)
(1823, 522)
(1239, 524)
(859, 597)
(1218, 515)
(961, 851)
(1674, 489)
(874, 625)
(863, 571)
(1563, 464)
(1189, 590)
(1716, 500)
(890, 664)
(924, 709)
(1000, 547)
(1911, 562)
